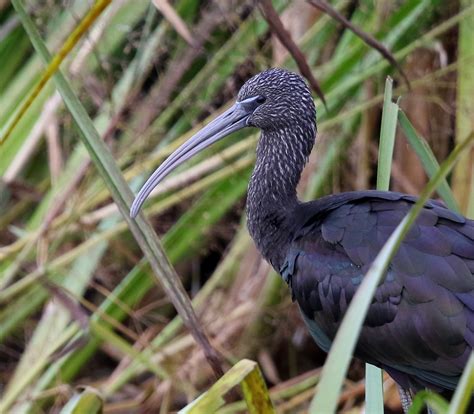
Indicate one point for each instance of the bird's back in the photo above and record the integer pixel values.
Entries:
(420, 325)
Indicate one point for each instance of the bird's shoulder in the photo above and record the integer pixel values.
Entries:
(351, 217)
(421, 319)
(338, 237)
(369, 202)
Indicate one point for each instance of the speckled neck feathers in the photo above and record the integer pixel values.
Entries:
(287, 119)
(281, 157)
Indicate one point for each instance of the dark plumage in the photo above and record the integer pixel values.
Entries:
(420, 325)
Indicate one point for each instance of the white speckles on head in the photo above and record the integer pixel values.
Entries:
(287, 119)
(288, 99)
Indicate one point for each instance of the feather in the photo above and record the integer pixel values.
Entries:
(420, 324)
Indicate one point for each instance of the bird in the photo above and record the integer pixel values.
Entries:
(420, 324)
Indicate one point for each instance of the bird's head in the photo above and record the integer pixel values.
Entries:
(275, 99)
(284, 100)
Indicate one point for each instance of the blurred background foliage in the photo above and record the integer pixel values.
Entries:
(79, 307)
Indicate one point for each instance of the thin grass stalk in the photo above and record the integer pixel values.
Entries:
(140, 227)
(427, 158)
(246, 373)
(54, 63)
(463, 175)
(88, 401)
(71, 280)
(387, 138)
(429, 399)
(373, 375)
(463, 393)
(26, 78)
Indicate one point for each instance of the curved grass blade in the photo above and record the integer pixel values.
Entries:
(387, 137)
(373, 375)
(463, 174)
(427, 158)
(56, 61)
(140, 228)
(431, 400)
(373, 389)
(88, 401)
(464, 390)
(248, 375)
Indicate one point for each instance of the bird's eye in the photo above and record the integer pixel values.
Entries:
(260, 99)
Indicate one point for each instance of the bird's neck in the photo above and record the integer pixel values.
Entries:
(272, 198)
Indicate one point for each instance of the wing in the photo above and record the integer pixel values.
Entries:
(421, 320)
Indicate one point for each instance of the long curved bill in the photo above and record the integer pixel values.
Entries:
(233, 119)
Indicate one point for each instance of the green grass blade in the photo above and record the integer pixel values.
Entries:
(470, 207)
(108, 336)
(141, 228)
(54, 64)
(256, 394)
(88, 401)
(387, 138)
(427, 158)
(343, 346)
(463, 174)
(464, 390)
(373, 389)
(246, 373)
(429, 399)
(373, 375)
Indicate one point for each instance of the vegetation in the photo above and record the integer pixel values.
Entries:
(86, 323)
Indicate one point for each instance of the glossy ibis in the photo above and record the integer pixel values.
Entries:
(420, 324)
